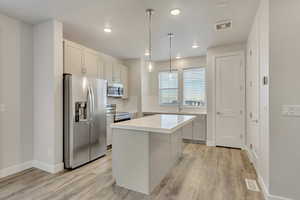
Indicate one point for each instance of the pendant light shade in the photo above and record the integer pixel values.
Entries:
(149, 13)
(170, 35)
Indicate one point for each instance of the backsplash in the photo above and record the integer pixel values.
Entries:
(118, 101)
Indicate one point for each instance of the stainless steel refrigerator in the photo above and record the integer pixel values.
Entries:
(84, 119)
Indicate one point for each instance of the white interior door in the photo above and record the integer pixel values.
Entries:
(230, 94)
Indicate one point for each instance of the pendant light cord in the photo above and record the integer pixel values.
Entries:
(170, 50)
(149, 12)
(170, 53)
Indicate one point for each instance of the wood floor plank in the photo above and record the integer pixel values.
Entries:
(203, 173)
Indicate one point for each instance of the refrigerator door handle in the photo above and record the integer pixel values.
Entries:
(93, 100)
(89, 98)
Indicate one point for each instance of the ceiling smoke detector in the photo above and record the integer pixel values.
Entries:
(223, 25)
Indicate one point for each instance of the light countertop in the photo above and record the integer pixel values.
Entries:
(179, 112)
(156, 123)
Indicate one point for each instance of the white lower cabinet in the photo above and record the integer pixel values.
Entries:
(199, 128)
(196, 130)
(187, 131)
(109, 121)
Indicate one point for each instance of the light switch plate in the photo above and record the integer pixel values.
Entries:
(2, 107)
(291, 110)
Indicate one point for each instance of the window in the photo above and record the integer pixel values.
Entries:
(194, 87)
(168, 88)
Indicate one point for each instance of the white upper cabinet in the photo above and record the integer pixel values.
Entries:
(124, 80)
(101, 68)
(91, 63)
(117, 73)
(80, 61)
(108, 71)
(73, 58)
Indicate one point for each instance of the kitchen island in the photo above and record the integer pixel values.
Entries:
(145, 149)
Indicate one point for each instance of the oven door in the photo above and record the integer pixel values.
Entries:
(122, 117)
(121, 120)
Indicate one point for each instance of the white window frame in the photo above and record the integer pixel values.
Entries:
(178, 89)
(182, 90)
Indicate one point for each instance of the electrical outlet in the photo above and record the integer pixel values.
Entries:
(2, 107)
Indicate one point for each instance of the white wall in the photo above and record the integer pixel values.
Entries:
(16, 93)
(210, 78)
(134, 101)
(48, 70)
(284, 90)
(150, 88)
(259, 40)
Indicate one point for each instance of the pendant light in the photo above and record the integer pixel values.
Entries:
(149, 13)
(170, 35)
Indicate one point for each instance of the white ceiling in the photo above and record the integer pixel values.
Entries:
(84, 21)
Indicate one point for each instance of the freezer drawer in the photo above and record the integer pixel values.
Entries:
(81, 148)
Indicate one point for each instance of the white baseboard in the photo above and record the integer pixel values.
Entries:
(274, 197)
(210, 143)
(15, 169)
(262, 184)
(30, 164)
(47, 167)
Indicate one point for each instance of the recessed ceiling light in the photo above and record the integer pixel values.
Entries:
(107, 30)
(195, 46)
(175, 11)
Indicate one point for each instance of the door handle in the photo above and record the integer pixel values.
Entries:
(93, 100)
(90, 106)
(219, 113)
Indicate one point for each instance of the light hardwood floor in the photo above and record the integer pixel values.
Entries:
(203, 173)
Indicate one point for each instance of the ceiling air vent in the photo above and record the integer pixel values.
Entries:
(223, 25)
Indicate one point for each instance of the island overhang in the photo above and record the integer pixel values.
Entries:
(160, 123)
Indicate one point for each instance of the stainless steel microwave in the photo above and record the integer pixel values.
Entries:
(115, 90)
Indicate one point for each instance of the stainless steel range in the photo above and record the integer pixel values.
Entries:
(117, 116)
(112, 116)
(122, 116)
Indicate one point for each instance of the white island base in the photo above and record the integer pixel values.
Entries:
(143, 155)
